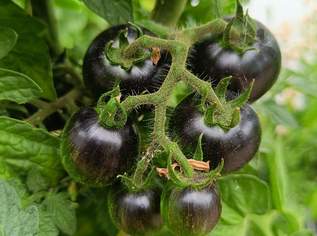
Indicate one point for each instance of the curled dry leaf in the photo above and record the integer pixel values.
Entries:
(196, 165)
(156, 55)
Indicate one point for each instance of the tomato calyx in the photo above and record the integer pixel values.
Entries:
(228, 116)
(246, 27)
(115, 49)
(202, 177)
(111, 112)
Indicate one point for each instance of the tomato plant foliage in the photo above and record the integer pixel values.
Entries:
(124, 167)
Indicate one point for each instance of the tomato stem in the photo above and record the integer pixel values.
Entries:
(178, 45)
(41, 114)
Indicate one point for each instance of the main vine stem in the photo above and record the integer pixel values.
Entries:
(178, 45)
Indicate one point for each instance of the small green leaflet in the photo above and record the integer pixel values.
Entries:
(24, 147)
(8, 38)
(243, 197)
(113, 11)
(14, 220)
(62, 212)
(17, 87)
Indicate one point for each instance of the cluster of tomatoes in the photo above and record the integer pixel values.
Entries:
(95, 154)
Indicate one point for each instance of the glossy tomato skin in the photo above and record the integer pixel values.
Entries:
(100, 75)
(191, 212)
(236, 146)
(210, 61)
(94, 154)
(136, 213)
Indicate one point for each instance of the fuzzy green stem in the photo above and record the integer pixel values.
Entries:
(192, 35)
(41, 114)
(168, 12)
(178, 48)
(204, 88)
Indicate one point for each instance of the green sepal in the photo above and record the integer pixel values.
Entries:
(222, 87)
(245, 29)
(209, 116)
(228, 116)
(239, 10)
(243, 98)
(199, 155)
(175, 178)
(115, 55)
(138, 28)
(236, 117)
(111, 112)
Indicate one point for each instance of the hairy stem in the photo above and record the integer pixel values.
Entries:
(41, 114)
(195, 34)
(178, 46)
(168, 12)
(204, 88)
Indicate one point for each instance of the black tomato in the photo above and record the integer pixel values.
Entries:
(94, 154)
(100, 75)
(236, 146)
(210, 61)
(191, 212)
(136, 213)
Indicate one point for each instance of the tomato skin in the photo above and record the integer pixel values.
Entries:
(94, 154)
(191, 212)
(100, 75)
(210, 61)
(136, 213)
(236, 146)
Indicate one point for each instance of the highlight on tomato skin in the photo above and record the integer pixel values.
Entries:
(191, 212)
(94, 154)
(236, 146)
(100, 74)
(136, 213)
(210, 61)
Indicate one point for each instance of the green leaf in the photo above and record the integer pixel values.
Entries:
(47, 226)
(8, 38)
(17, 87)
(23, 147)
(62, 212)
(246, 194)
(113, 11)
(5, 170)
(30, 54)
(278, 175)
(35, 181)
(14, 220)
(246, 228)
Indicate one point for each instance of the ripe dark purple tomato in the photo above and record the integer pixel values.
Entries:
(136, 213)
(210, 61)
(100, 75)
(191, 212)
(94, 154)
(236, 146)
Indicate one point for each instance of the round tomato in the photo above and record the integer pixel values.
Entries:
(136, 213)
(95, 154)
(100, 74)
(211, 61)
(236, 146)
(191, 212)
